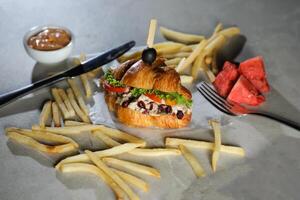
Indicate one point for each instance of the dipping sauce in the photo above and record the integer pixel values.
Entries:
(49, 39)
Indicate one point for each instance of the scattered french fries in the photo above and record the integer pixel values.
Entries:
(217, 147)
(45, 114)
(56, 115)
(133, 180)
(73, 123)
(78, 96)
(192, 160)
(60, 103)
(180, 37)
(66, 101)
(124, 148)
(105, 139)
(174, 142)
(86, 84)
(76, 107)
(132, 166)
(84, 167)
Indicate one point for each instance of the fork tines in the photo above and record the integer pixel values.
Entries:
(214, 98)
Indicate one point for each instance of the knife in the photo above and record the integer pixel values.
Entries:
(84, 67)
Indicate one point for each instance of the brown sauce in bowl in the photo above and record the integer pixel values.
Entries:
(49, 39)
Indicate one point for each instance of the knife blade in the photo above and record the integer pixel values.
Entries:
(84, 67)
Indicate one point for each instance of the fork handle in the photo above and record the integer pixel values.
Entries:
(281, 119)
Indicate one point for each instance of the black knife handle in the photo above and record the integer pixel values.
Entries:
(12, 95)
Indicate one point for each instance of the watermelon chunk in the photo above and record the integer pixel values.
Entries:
(226, 79)
(243, 92)
(253, 69)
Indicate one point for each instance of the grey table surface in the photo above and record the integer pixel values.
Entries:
(273, 31)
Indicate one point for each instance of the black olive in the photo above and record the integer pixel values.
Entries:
(141, 104)
(151, 106)
(125, 104)
(161, 108)
(179, 114)
(168, 109)
(149, 55)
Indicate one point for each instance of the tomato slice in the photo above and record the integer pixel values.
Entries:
(153, 97)
(111, 88)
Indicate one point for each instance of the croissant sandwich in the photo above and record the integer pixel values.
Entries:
(144, 95)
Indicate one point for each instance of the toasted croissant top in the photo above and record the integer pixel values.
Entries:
(156, 76)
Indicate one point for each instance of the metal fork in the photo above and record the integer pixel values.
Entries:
(230, 108)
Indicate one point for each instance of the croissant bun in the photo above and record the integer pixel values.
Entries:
(156, 76)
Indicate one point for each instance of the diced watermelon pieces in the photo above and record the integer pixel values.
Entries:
(253, 69)
(226, 79)
(243, 92)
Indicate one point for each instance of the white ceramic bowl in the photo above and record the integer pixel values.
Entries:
(52, 56)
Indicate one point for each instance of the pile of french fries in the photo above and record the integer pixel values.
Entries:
(70, 116)
(190, 54)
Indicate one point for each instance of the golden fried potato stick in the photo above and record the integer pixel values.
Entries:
(192, 160)
(105, 139)
(177, 55)
(173, 61)
(76, 107)
(132, 166)
(218, 28)
(78, 96)
(180, 37)
(86, 84)
(167, 44)
(217, 147)
(210, 75)
(84, 167)
(198, 50)
(68, 130)
(117, 179)
(135, 55)
(124, 148)
(67, 102)
(28, 141)
(155, 152)
(56, 115)
(73, 123)
(173, 142)
(115, 133)
(229, 32)
(43, 136)
(133, 180)
(151, 33)
(45, 114)
(60, 103)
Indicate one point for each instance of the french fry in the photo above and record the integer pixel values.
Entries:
(105, 139)
(43, 136)
(78, 96)
(89, 168)
(86, 84)
(28, 141)
(177, 55)
(217, 147)
(45, 114)
(115, 133)
(186, 48)
(124, 148)
(162, 45)
(101, 165)
(151, 33)
(133, 180)
(180, 37)
(73, 123)
(186, 80)
(135, 55)
(173, 61)
(154, 152)
(76, 107)
(179, 67)
(67, 102)
(215, 44)
(60, 103)
(69, 130)
(132, 166)
(210, 75)
(198, 65)
(192, 160)
(173, 142)
(229, 32)
(56, 115)
(94, 73)
(218, 28)
(193, 55)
